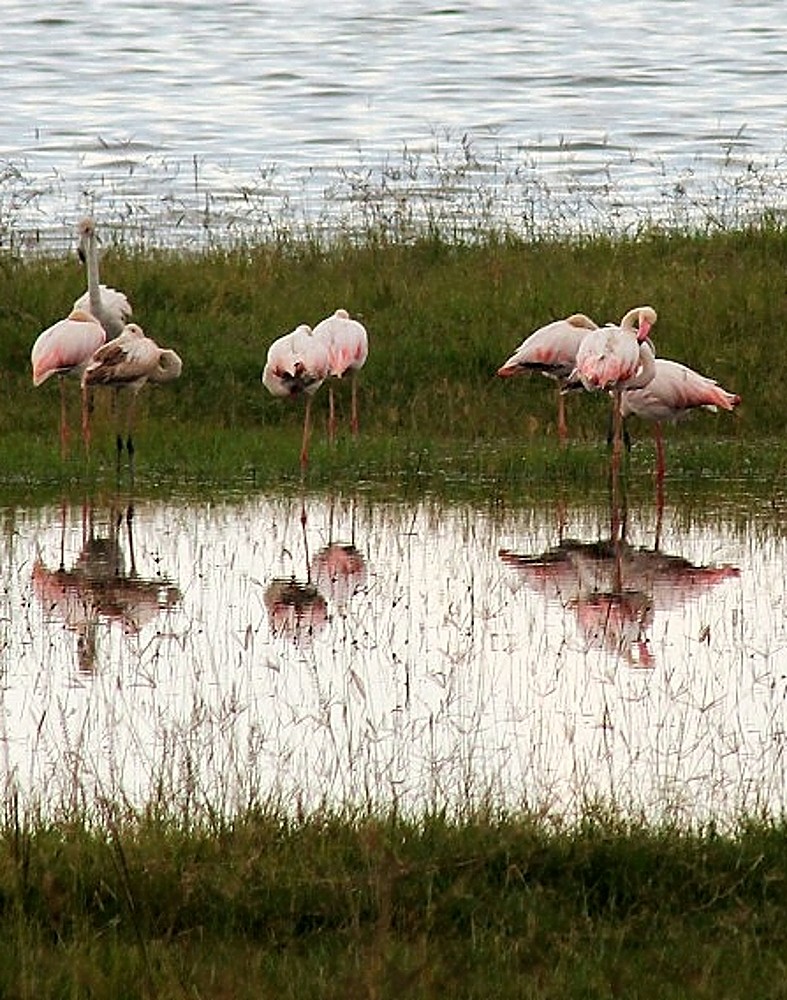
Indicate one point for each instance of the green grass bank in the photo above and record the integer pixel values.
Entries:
(441, 319)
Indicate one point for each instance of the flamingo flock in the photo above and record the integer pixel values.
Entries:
(618, 359)
(98, 344)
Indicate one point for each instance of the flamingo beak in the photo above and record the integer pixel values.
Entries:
(644, 330)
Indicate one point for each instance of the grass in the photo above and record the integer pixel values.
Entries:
(366, 906)
(441, 319)
(266, 904)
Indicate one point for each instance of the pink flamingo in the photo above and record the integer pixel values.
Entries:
(614, 358)
(110, 307)
(552, 350)
(128, 362)
(348, 348)
(672, 393)
(65, 348)
(298, 363)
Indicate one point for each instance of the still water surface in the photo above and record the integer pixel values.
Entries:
(183, 118)
(424, 654)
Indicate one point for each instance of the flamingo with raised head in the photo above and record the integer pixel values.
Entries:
(614, 358)
(65, 348)
(297, 364)
(109, 306)
(128, 363)
(673, 392)
(552, 350)
(348, 348)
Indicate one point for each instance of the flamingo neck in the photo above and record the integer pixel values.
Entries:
(93, 286)
(647, 367)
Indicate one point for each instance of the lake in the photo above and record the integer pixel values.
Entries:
(224, 653)
(185, 123)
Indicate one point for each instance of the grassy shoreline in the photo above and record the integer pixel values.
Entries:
(441, 319)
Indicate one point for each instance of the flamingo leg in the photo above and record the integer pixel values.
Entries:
(354, 411)
(617, 448)
(306, 434)
(331, 414)
(63, 419)
(562, 426)
(660, 462)
(660, 470)
(87, 410)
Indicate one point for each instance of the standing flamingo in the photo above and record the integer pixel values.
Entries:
(110, 307)
(297, 363)
(673, 392)
(348, 347)
(65, 348)
(128, 362)
(552, 350)
(614, 358)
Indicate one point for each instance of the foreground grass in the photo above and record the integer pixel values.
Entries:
(344, 906)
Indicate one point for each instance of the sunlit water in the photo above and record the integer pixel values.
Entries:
(186, 121)
(221, 654)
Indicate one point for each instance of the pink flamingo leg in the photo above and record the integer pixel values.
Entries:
(617, 449)
(562, 426)
(354, 412)
(306, 433)
(660, 470)
(63, 420)
(331, 414)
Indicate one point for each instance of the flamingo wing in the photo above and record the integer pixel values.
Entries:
(674, 390)
(346, 340)
(552, 349)
(66, 346)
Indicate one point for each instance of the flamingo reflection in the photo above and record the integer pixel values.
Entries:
(614, 589)
(296, 609)
(98, 587)
(340, 568)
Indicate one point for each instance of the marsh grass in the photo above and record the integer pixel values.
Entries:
(441, 319)
(341, 905)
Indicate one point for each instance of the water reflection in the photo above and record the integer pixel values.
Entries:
(388, 652)
(298, 609)
(613, 589)
(98, 588)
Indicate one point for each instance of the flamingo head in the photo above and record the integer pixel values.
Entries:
(646, 319)
(87, 232)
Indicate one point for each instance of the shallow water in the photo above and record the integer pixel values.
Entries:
(186, 122)
(423, 654)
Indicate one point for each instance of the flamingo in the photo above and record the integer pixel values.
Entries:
(297, 363)
(65, 348)
(614, 358)
(109, 306)
(672, 393)
(128, 362)
(348, 348)
(552, 350)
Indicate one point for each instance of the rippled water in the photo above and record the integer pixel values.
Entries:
(421, 654)
(190, 120)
